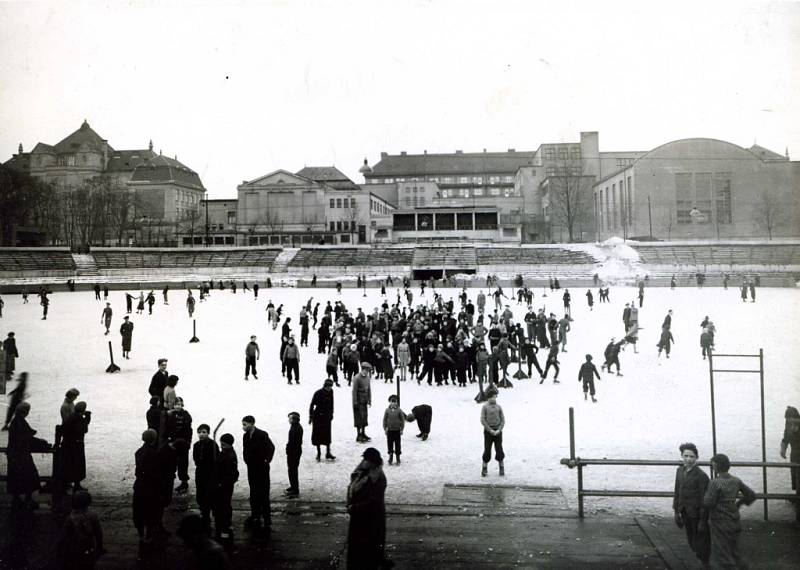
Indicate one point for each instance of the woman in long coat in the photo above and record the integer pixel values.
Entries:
(403, 357)
(791, 443)
(366, 534)
(23, 477)
(320, 415)
(73, 453)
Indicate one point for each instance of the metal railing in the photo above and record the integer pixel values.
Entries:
(574, 462)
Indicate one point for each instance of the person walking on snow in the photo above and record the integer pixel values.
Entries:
(105, 318)
(665, 342)
(587, 374)
(493, 422)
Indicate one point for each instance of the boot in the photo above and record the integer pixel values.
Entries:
(502, 469)
(484, 470)
(398, 459)
(391, 458)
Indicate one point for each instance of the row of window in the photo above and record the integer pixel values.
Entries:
(494, 179)
(563, 171)
(343, 226)
(709, 192)
(342, 203)
(377, 207)
(615, 209)
(561, 152)
(445, 222)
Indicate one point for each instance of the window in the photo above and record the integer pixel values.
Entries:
(445, 221)
(684, 196)
(575, 152)
(563, 153)
(425, 222)
(447, 180)
(613, 205)
(464, 221)
(629, 198)
(477, 179)
(333, 226)
(549, 153)
(338, 202)
(464, 180)
(231, 217)
(486, 220)
(444, 193)
(465, 192)
(352, 203)
(403, 222)
(508, 179)
(722, 197)
(703, 194)
(478, 191)
(344, 238)
(339, 226)
(508, 192)
(433, 178)
(66, 160)
(576, 171)
(494, 191)
(550, 171)
(608, 209)
(401, 179)
(228, 240)
(333, 203)
(494, 179)
(389, 181)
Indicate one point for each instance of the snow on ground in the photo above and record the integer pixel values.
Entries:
(646, 413)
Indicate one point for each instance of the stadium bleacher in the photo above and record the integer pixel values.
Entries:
(532, 256)
(351, 257)
(183, 259)
(36, 260)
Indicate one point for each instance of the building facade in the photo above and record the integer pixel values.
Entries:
(701, 189)
(156, 192)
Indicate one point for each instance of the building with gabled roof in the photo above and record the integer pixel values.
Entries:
(162, 190)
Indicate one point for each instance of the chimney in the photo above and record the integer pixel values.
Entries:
(150, 146)
(512, 150)
(384, 155)
(20, 150)
(402, 153)
(459, 152)
(484, 150)
(426, 150)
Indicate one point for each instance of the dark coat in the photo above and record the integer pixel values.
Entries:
(588, 369)
(321, 414)
(73, 453)
(23, 477)
(126, 330)
(294, 444)
(366, 536)
(158, 383)
(258, 449)
(11, 354)
(690, 487)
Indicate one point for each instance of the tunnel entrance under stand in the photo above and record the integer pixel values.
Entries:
(420, 274)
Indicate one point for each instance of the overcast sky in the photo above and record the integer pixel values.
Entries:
(239, 91)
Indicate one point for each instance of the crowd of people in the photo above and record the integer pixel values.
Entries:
(441, 342)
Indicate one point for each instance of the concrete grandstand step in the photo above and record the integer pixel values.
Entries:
(85, 264)
(284, 259)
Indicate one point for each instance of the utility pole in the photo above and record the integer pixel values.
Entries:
(207, 226)
(649, 215)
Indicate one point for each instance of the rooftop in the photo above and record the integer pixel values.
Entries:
(457, 163)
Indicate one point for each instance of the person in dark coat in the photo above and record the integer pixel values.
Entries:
(156, 417)
(204, 454)
(73, 452)
(126, 330)
(320, 416)
(23, 477)
(528, 353)
(159, 381)
(791, 443)
(706, 342)
(258, 451)
(81, 541)
(179, 427)
(423, 414)
(690, 487)
(587, 374)
(666, 340)
(11, 354)
(294, 450)
(17, 397)
(226, 475)
(611, 354)
(366, 533)
(362, 400)
(146, 508)
(590, 299)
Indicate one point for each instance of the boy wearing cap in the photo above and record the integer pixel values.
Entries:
(586, 375)
(258, 451)
(105, 317)
(204, 454)
(251, 354)
(294, 449)
(394, 420)
(362, 399)
(226, 475)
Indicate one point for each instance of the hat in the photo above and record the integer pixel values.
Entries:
(366, 365)
(328, 382)
(227, 438)
(491, 391)
(373, 455)
(393, 398)
(294, 414)
(149, 436)
(126, 317)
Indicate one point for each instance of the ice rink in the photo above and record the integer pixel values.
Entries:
(645, 414)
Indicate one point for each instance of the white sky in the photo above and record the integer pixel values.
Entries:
(238, 91)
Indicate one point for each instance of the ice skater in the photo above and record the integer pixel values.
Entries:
(394, 420)
(105, 317)
(611, 355)
(251, 353)
(493, 422)
(126, 331)
(294, 450)
(320, 416)
(586, 375)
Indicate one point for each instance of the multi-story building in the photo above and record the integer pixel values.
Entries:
(700, 188)
(293, 209)
(161, 192)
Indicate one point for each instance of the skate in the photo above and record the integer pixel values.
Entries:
(484, 470)
(619, 374)
(319, 458)
(398, 459)
(502, 469)
(594, 400)
(585, 397)
(391, 458)
(542, 380)
(330, 457)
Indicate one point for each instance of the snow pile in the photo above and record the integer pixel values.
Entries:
(622, 263)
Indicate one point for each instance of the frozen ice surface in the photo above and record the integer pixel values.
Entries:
(646, 413)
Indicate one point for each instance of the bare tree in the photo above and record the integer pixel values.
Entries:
(570, 196)
(353, 217)
(20, 196)
(769, 213)
(188, 222)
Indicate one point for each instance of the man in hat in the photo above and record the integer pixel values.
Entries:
(226, 474)
(126, 330)
(294, 449)
(105, 318)
(362, 399)
(258, 451)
